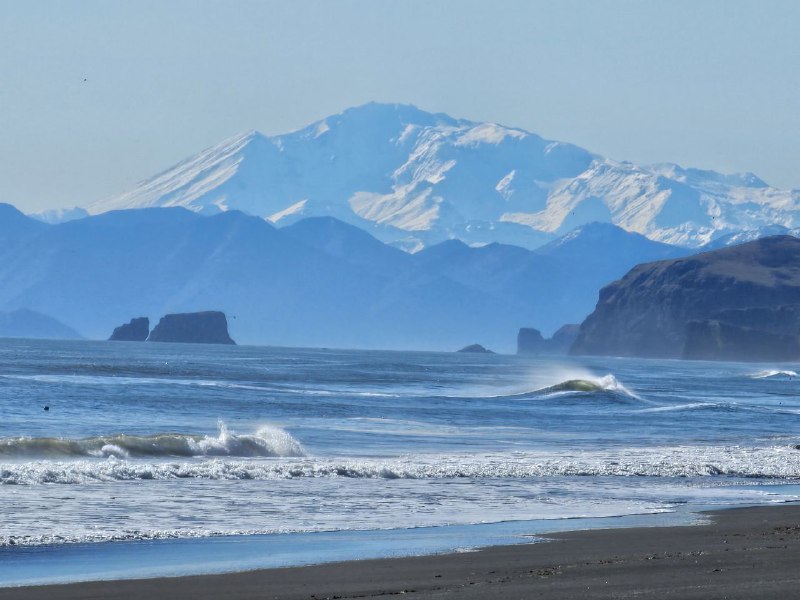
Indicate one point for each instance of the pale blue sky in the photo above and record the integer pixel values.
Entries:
(712, 84)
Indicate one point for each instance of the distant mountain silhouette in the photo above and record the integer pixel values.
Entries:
(318, 282)
(23, 323)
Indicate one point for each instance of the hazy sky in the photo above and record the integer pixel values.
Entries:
(96, 95)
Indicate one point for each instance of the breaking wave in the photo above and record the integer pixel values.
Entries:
(607, 384)
(760, 462)
(775, 374)
(267, 441)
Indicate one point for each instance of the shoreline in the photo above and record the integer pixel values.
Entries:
(740, 553)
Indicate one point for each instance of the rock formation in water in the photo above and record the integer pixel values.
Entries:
(209, 327)
(476, 349)
(745, 299)
(136, 331)
(530, 340)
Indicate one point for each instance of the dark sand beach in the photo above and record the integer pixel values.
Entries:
(741, 553)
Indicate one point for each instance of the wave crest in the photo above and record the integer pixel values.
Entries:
(266, 442)
(607, 383)
(582, 385)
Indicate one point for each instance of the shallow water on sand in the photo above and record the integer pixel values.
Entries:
(152, 441)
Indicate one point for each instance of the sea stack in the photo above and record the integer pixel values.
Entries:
(136, 331)
(529, 341)
(209, 327)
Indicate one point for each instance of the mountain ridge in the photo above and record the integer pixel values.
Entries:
(414, 178)
(318, 282)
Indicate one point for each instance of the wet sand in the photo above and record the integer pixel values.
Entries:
(743, 553)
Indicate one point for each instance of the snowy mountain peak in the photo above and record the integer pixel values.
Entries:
(415, 178)
(405, 114)
(60, 215)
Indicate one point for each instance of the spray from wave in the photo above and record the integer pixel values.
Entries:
(775, 374)
(266, 442)
(606, 383)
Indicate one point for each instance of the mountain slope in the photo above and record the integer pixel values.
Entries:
(607, 244)
(355, 246)
(15, 226)
(742, 237)
(414, 178)
(23, 323)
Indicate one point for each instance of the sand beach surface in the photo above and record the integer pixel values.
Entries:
(739, 553)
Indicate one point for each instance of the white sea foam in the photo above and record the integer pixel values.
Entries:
(685, 461)
(145, 510)
(381, 518)
(679, 407)
(115, 451)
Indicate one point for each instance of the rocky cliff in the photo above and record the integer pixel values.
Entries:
(136, 331)
(716, 340)
(210, 327)
(783, 319)
(648, 311)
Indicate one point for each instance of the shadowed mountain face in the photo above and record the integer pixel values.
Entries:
(348, 243)
(600, 244)
(554, 285)
(318, 282)
(646, 313)
(415, 179)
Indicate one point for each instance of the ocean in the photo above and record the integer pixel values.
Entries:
(128, 460)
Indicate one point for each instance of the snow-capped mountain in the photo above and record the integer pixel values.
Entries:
(415, 178)
(54, 216)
